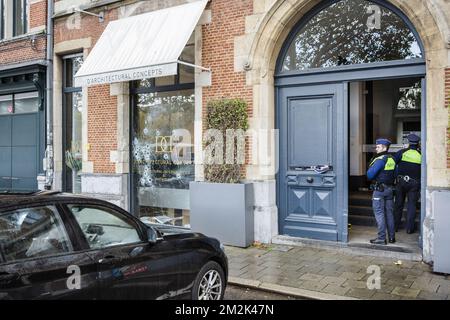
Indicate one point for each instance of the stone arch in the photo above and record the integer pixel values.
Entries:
(275, 24)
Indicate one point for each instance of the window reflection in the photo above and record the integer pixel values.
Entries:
(164, 126)
(351, 32)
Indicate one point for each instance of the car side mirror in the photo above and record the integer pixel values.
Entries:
(152, 236)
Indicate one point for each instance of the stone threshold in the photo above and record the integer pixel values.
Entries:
(285, 290)
(354, 249)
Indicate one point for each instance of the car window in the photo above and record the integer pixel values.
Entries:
(103, 227)
(32, 232)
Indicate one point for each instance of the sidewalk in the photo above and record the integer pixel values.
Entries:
(319, 273)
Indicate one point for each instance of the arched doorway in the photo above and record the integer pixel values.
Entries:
(335, 61)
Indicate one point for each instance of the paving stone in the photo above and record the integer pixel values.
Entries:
(328, 260)
(405, 292)
(334, 280)
(349, 269)
(353, 275)
(361, 293)
(329, 273)
(427, 286)
(355, 284)
(311, 285)
(336, 290)
(444, 289)
(385, 296)
(425, 295)
(236, 272)
(311, 277)
(400, 283)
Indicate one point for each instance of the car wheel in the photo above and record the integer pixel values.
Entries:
(210, 283)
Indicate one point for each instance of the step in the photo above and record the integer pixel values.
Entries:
(371, 222)
(368, 211)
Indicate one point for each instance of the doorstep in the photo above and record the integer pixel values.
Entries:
(393, 252)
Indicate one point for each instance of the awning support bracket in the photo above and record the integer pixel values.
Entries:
(194, 66)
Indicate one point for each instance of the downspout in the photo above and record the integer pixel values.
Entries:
(49, 163)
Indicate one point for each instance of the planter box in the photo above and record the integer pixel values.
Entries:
(223, 211)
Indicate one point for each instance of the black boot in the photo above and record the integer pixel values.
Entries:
(392, 240)
(378, 241)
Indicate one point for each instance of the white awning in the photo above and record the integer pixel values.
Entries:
(143, 46)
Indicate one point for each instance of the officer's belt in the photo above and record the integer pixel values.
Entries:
(407, 178)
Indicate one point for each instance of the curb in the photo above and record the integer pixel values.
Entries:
(296, 292)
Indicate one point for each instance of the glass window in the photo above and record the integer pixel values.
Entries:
(103, 227)
(351, 32)
(2, 19)
(73, 111)
(26, 102)
(410, 97)
(20, 23)
(162, 146)
(6, 104)
(32, 232)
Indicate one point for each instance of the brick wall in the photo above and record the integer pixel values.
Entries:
(228, 21)
(102, 128)
(38, 14)
(24, 49)
(447, 104)
(102, 108)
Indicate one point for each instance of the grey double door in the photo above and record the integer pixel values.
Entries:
(312, 120)
(19, 151)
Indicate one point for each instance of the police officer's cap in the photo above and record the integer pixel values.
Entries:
(413, 139)
(384, 142)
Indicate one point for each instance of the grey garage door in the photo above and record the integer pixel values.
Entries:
(312, 123)
(19, 141)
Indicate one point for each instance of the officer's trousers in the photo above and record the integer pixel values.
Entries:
(403, 189)
(383, 209)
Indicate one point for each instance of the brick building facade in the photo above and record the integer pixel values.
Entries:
(242, 42)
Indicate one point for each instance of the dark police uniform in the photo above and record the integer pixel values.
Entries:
(381, 170)
(408, 182)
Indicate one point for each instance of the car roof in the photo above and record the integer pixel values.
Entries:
(13, 199)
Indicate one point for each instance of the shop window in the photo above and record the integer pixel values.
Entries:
(351, 32)
(72, 135)
(163, 126)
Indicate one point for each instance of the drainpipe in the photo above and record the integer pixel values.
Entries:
(49, 163)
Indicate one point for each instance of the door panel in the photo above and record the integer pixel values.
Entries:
(24, 129)
(313, 127)
(5, 131)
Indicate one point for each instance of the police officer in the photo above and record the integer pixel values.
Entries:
(381, 171)
(408, 161)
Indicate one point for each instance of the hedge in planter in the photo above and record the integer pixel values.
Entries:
(227, 116)
(221, 207)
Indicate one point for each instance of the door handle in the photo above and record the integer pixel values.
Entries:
(109, 259)
(13, 178)
(6, 178)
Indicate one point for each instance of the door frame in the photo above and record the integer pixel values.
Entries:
(353, 73)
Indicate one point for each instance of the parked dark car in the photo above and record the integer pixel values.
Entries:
(61, 246)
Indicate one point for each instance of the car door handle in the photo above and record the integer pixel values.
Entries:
(109, 259)
(6, 277)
